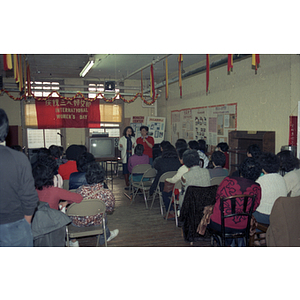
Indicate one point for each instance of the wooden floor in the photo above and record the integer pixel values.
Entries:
(138, 226)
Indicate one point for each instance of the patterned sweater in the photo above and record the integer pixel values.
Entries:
(231, 186)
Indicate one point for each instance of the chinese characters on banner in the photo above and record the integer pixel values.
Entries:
(60, 113)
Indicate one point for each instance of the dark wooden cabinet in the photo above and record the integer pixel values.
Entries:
(239, 141)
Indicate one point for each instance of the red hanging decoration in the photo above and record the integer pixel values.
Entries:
(207, 74)
(230, 63)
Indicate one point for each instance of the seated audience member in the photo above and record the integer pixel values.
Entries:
(50, 162)
(168, 161)
(78, 179)
(203, 146)
(138, 158)
(218, 160)
(43, 178)
(289, 169)
(181, 144)
(254, 151)
(195, 145)
(272, 186)
(94, 189)
(66, 169)
(36, 156)
(56, 152)
(166, 195)
(147, 141)
(195, 175)
(230, 186)
(223, 147)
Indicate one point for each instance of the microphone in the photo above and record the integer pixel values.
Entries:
(60, 134)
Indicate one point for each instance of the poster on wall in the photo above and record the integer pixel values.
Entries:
(136, 122)
(211, 123)
(156, 128)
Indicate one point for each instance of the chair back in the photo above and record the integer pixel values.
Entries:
(66, 184)
(87, 207)
(216, 180)
(233, 210)
(140, 169)
(166, 175)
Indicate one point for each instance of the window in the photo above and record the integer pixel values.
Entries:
(95, 88)
(39, 138)
(43, 89)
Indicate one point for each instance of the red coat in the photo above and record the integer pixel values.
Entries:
(231, 186)
(147, 149)
(65, 170)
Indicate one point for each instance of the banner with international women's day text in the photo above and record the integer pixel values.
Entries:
(61, 113)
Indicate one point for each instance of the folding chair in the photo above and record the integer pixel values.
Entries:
(175, 201)
(138, 170)
(158, 192)
(87, 207)
(144, 184)
(230, 208)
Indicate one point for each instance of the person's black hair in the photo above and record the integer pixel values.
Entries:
(83, 160)
(269, 162)
(218, 158)
(181, 143)
(16, 147)
(169, 151)
(181, 151)
(191, 158)
(94, 173)
(139, 149)
(202, 145)
(48, 161)
(43, 176)
(43, 151)
(223, 146)
(4, 125)
(55, 151)
(73, 151)
(254, 150)
(164, 144)
(194, 145)
(250, 168)
(144, 127)
(288, 161)
(125, 129)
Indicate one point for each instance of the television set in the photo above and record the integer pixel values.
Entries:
(102, 147)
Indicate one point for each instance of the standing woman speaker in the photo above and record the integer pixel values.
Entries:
(126, 145)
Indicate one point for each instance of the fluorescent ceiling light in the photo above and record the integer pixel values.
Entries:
(86, 68)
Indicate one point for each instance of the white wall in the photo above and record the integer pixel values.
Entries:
(264, 101)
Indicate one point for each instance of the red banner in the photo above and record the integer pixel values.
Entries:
(60, 113)
(293, 130)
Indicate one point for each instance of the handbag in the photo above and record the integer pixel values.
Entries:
(168, 186)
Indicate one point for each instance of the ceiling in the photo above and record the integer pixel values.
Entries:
(116, 67)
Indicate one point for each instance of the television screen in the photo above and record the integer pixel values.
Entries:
(102, 147)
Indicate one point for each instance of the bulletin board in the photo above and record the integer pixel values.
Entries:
(211, 123)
